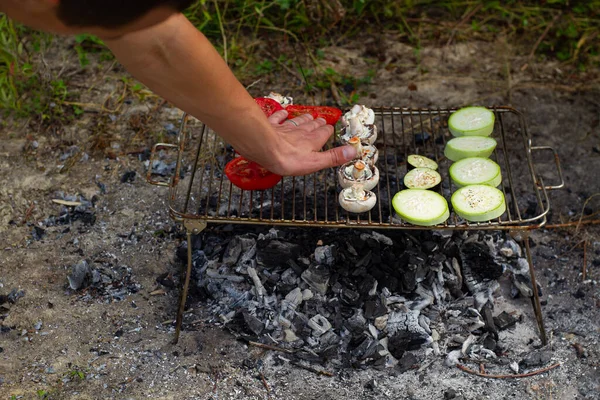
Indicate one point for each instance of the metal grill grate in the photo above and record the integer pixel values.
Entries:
(205, 193)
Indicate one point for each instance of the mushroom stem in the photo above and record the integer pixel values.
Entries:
(358, 170)
(355, 142)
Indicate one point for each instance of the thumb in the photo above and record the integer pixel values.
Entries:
(334, 157)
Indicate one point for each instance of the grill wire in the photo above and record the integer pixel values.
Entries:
(200, 189)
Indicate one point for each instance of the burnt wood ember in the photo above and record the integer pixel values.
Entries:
(352, 298)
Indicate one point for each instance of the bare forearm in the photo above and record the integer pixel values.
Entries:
(177, 62)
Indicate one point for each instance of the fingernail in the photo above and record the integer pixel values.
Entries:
(349, 152)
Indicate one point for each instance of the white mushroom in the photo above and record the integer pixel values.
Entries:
(365, 115)
(357, 200)
(353, 127)
(281, 99)
(370, 155)
(358, 173)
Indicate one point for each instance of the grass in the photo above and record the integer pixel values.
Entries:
(565, 31)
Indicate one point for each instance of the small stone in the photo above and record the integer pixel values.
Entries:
(381, 322)
(290, 336)
(50, 370)
(38, 325)
(79, 274)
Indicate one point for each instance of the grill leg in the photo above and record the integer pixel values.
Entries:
(192, 227)
(535, 300)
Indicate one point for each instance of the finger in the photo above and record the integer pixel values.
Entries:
(330, 158)
(278, 117)
(313, 125)
(318, 137)
(299, 120)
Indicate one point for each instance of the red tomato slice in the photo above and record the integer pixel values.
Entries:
(330, 114)
(268, 105)
(248, 175)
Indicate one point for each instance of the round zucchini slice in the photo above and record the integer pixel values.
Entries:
(471, 121)
(421, 207)
(475, 171)
(417, 161)
(469, 146)
(478, 203)
(422, 178)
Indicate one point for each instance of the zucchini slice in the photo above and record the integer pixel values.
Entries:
(421, 207)
(471, 121)
(478, 203)
(422, 178)
(469, 146)
(475, 171)
(417, 161)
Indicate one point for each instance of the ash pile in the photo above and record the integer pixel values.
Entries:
(358, 299)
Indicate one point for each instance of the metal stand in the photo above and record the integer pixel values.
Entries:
(535, 300)
(192, 227)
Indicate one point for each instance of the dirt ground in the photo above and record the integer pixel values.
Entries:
(58, 343)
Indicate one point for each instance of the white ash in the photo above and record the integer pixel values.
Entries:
(355, 298)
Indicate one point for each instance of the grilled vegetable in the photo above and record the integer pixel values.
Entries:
(248, 175)
(422, 178)
(475, 171)
(469, 146)
(330, 114)
(268, 105)
(358, 173)
(417, 161)
(421, 207)
(357, 200)
(478, 203)
(471, 121)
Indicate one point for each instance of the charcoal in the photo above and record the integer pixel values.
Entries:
(536, 359)
(14, 295)
(269, 255)
(317, 277)
(405, 333)
(356, 324)
(255, 324)
(232, 251)
(504, 320)
(325, 255)
(406, 362)
(375, 308)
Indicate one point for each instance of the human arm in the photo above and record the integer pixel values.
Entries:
(177, 62)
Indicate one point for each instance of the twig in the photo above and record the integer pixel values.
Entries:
(269, 347)
(28, 213)
(584, 272)
(311, 369)
(462, 21)
(573, 224)
(525, 375)
(264, 382)
(539, 41)
(583, 208)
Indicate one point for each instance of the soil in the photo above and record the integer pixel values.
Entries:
(89, 348)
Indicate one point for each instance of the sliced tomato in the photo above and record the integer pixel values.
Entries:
(248, 175)
(268, 105)
(330, 114)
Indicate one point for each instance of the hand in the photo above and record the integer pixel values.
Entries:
(299, 141)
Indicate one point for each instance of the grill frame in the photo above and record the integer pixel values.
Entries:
(194, 223)
(181, 199)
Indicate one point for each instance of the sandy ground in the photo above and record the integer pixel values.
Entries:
(88, 348)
